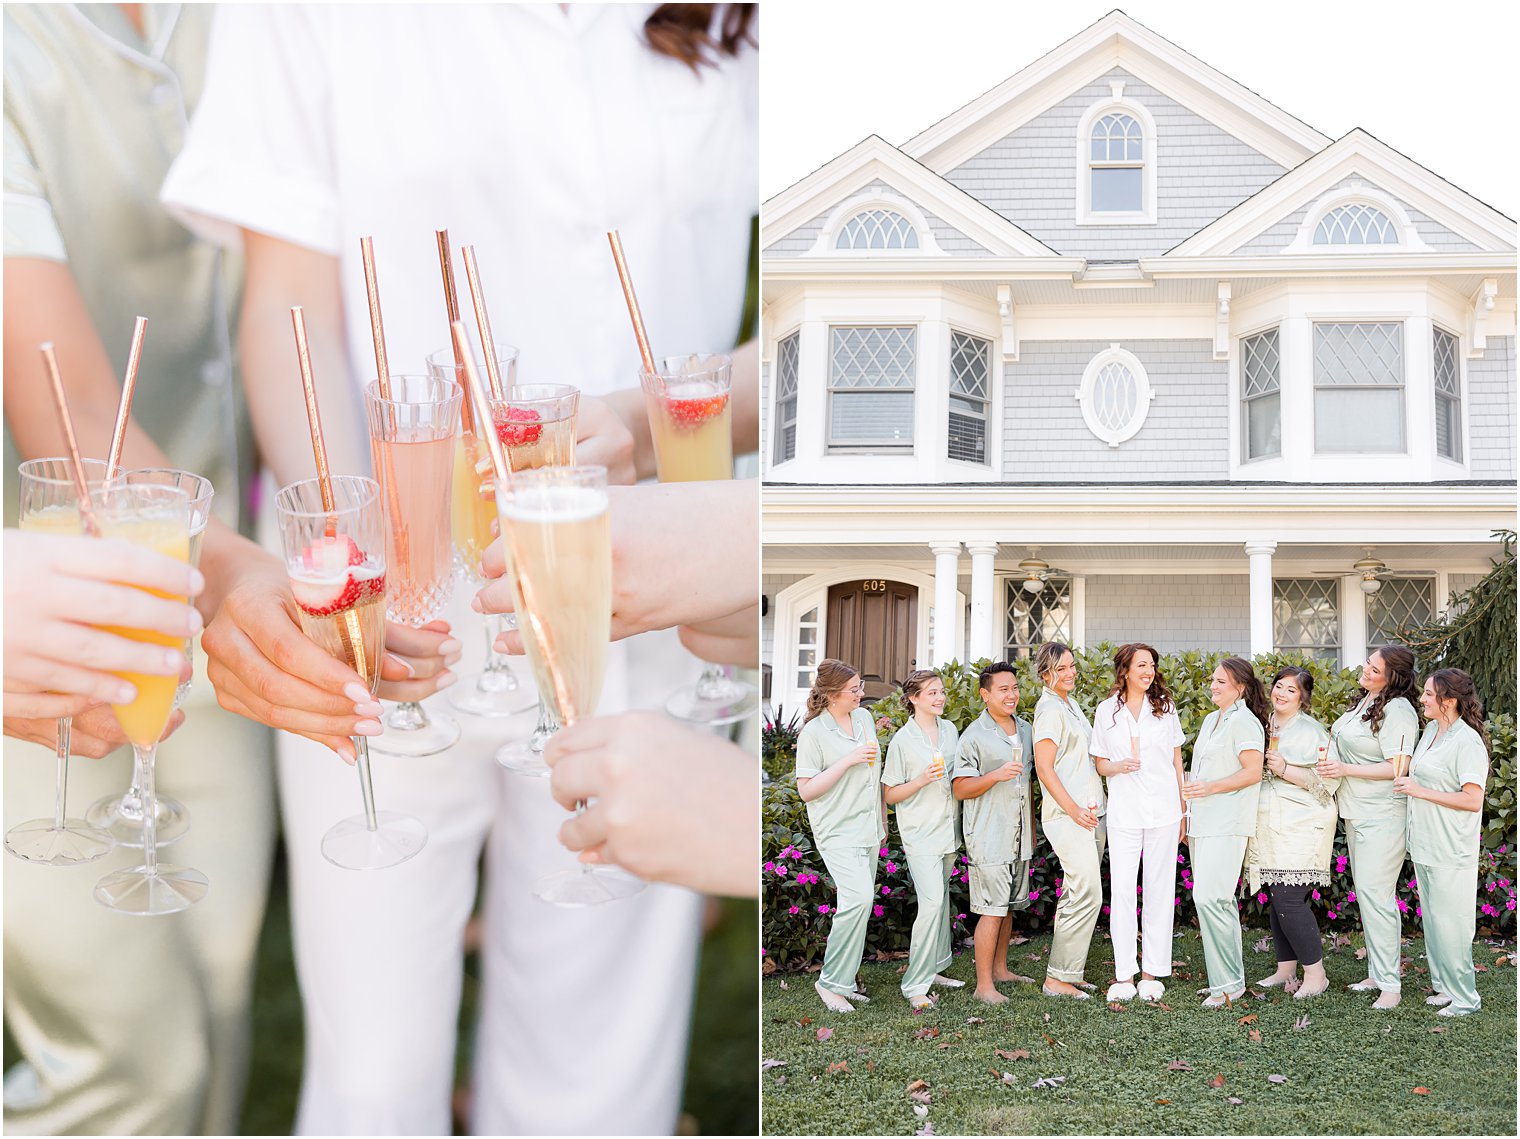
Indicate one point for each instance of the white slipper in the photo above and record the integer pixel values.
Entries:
(1121, 991)
(1453, 1010)
(1151, 990)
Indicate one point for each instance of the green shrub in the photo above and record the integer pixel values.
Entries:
(798, 895)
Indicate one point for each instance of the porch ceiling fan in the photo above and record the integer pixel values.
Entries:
(1372, 570)
(1035, 571)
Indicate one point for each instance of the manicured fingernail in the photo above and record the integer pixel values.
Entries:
(174, 660)
(368, 708)
(346, 753)
(197, 582)
(445, 679)
(449, 646)
(368, 728)
(195, 621)
(357, 692)
(125, 694)
(410, 671)
(476, 605)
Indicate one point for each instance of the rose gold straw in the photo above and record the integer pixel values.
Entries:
(314, 418)
(60, 400)
(633, 303)
(376, 327)
(451, 304)
(124, 408)
(504, 479)
(482, 322)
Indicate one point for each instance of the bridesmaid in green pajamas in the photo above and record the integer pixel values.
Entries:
(1381, 725)
(836, 778)
(915, 776)
(1227, 766)
(1445, 789)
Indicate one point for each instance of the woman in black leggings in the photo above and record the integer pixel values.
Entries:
(1295, 833)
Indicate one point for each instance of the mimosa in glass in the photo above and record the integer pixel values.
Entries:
(412, 441)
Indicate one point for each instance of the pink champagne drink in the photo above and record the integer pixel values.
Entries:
(412, 446)
(335, 558)
(689, 417)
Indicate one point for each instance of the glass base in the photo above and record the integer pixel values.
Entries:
(439, 734)
(521, 759)
(353, 846)
(493, 694)
(173, 821)
(76, 842)
(725, 703)
(165, 890)
(588, 886)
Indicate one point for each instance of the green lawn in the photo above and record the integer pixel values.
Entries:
(1349, 1070)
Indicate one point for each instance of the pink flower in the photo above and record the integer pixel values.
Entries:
(1033, 894)
(1413, 883)
(780, 871)
(891, 868)
(770, 866)
(885, 890)
(960, 917)
(883, 852)
(794, 910)
(1403, 906)
(1417, 912)
(1105, 909)
(823, 909)
(878, 910)
(1509, 905)
(1261, 897)
(1316, 895)
(1351, 896)
(1058, 891)
(1487, 909)
(1504, 849)
(1491, 886)
(793, 854)
(1331, 915)
(1180, 859)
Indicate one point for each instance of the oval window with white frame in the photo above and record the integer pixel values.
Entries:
(1115, 395)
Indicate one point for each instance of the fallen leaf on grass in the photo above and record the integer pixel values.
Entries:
(1302, 1022)
(1249, 1018)
(974, 1020)
(945, 1044)
(925, 1033)
(1361, 954)
(780, 1080)
(1049, 1082)
(926, 1129)
(1342, 940)
(784, 985)
(1275, 1079)
(917, 1086)
(1163, 1101)
(1254, 1036)
(1115, 1006)
(1217, 1080)
(1163, 1006)
(767, 1065)
(1178, 964)
(1018, 939)
(1421, 1091)
(920, 1097)
(768, 968)
(1052, 1041)
(920, 1111)
(1501, 960)
(1014, 1054)
(804, 1022)
(1179, 1066)
(870, 1066)
(842, 1066)
(1034, 956)
(1009, 1078)
(862, 1051)
(1481, 968)
(1235, 1100)
(1438, 1028)
(1047, 1017)
(824, 1034)
(1263, 944)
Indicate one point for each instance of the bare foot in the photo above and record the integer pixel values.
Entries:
(990, 996)
(1054, 988)
(1388, 1000)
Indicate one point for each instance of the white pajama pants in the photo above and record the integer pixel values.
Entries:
(1126, 848)
(584, 1013)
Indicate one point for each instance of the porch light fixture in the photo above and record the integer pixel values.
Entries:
(1034, 571)
(1369, 567)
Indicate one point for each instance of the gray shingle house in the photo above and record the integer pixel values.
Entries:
(1121, 350)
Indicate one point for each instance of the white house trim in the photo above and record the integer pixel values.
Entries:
(1146, 214)
(826, 246)
(1086, 394)
(1356, 193)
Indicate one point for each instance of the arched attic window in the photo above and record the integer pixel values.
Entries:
(1356, 224)
(1116, 164)
(877, 229)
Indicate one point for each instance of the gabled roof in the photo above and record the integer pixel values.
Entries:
(874, 159)
(1355, 153)
(1115, 41)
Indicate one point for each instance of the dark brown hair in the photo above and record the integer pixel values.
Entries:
(685, 31)
(1398, 663)
(1157, 694)
(1454, 684)
(916, 682)
(1252, 693)
(1301, 677)
(830, 680)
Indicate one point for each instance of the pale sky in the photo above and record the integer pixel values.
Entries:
(1431, 81)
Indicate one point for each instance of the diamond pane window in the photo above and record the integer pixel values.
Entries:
(1306, 618)
(1116, 156)
(1402, 602)
(1115, 395)
(871, 373)
(970, 391)
(1356, 225)
(807, 648)
(1448, 396)
(877, 229)
(786, 398)
(1261, 394)
(1034, 618)
(1359, 387)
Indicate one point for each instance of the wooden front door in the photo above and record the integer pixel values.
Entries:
(873, 627)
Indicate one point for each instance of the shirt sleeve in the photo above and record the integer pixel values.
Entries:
(895, 769)
(1098, 740)
(950, 744)
(31, 230)
(1179, 737)
(967, 755)
(1246, 734)
(259, 154)
(1047, 724)
(1400, 730)
(1472, 762)
(809, 753)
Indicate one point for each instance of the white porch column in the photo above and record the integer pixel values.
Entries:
(1353, 622)
(983, 642)
(947, 556)
(1260, 554)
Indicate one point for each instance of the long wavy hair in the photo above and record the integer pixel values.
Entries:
(915, 682)
(685, 31)
(1252, 693)
(1454, 684)
(1301, 677)
(1398, 663)
(828, 682)
(1160, 699)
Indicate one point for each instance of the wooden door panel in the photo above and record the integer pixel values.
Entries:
(873, 626)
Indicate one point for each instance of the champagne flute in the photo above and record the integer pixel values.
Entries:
(1192, 779)
(1401, 761)
(412, 439)
(157, 517)
(687, 399)
(336, 562)
(495, 690)
(50, 503)
(122, 815)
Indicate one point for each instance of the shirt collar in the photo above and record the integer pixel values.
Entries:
(110, 26)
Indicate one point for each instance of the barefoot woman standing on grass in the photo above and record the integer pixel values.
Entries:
(1382, 724)
(1072, 815)
(916, 778)
(836, 777)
